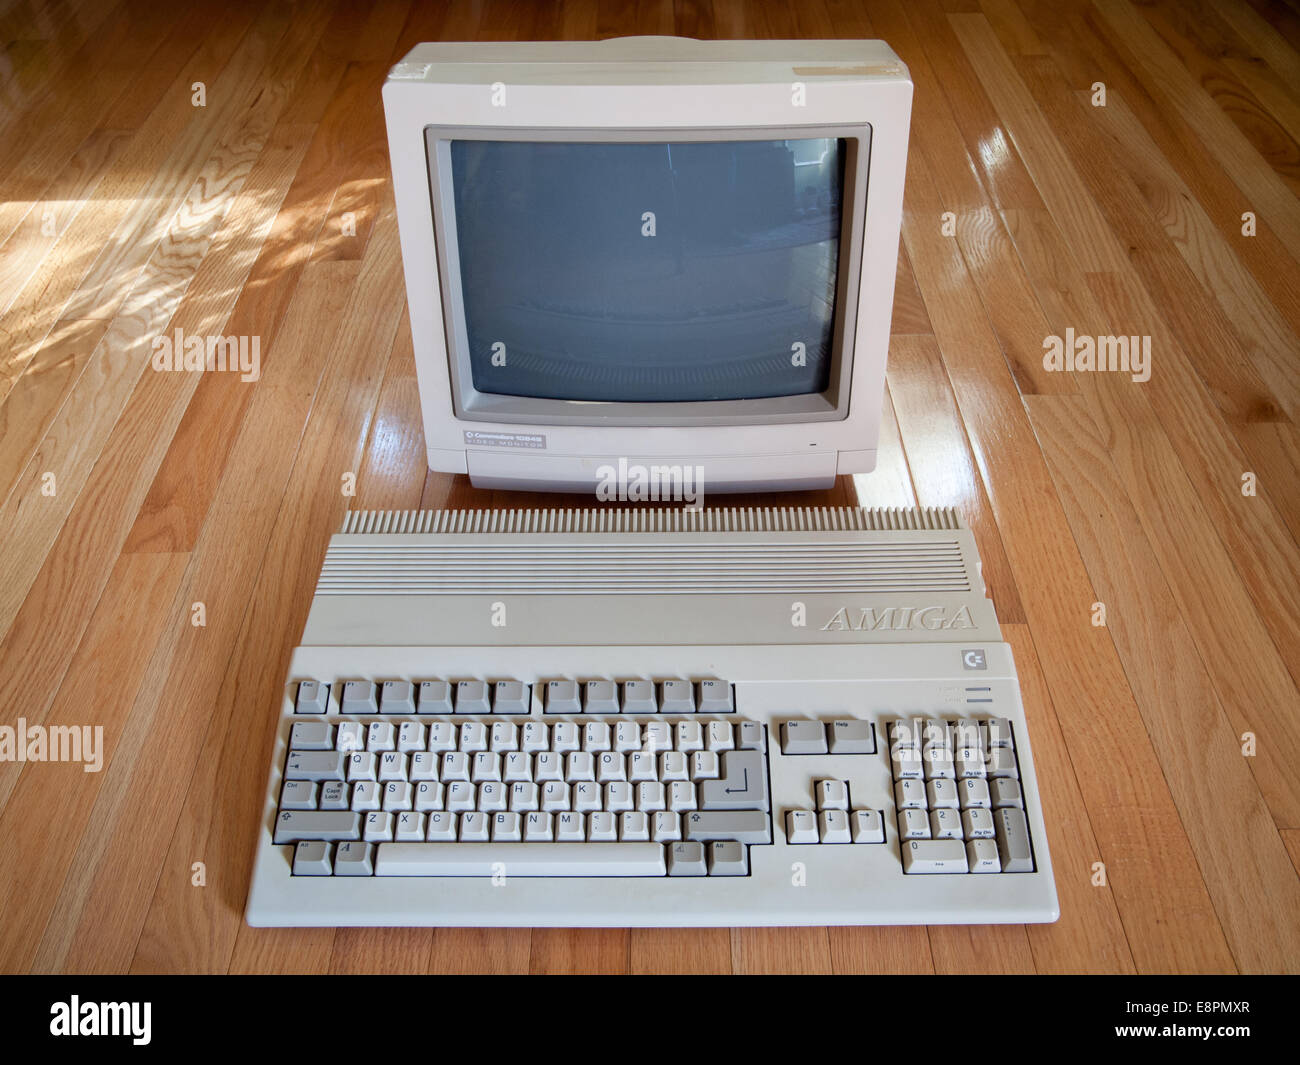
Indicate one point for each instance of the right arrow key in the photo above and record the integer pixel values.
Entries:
(742, 786)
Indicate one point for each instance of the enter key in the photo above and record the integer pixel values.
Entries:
(742, 786)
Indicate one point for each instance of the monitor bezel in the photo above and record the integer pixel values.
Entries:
(831, 404)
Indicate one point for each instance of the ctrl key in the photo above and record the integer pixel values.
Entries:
(934, 856)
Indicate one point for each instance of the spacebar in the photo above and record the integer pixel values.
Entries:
(520, 859)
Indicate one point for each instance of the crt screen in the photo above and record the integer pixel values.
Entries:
(648, 272)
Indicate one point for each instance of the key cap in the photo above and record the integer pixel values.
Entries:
(555, 796)
(362, 766)
(579, 766)
(650, 797)
(311, 858)
(867, 826)
(511, 697)
(639, 697)
(602, 827)
(705, 766)
(504, 736)
(610, 766)
(974, 792)
(665, 826)
(474, 827)
(657, 736)
(570, 827)
(455, 766)
(547, 766)
(910, 795)
(354, 859)
(459, 796)
(673, 766)
(442, 827)
(945, 824)
(396, 697)
(681, 796)
(472, 697)
(852, 736)
(970, 763)
(587, 797)
(520, 859)
(392, 766)
(314, 765)
(381, 736)
(600, 697)
(618, 796)
(627, 737)
(312, 698)
(1005, 792)
(982, 856)
(596, 737)
(936, 734)
(676, 697)
(507, 827)
(718, 737)
(688, 737)
(473, 737)
(913, 824)
(517, 767)
(1013, 840)
(398, 795)
(365, 796)
(412, 736)
(311, 736)
(442, 737)
(831, 795)
(424, 766)
(378, 826)
(907, 764)
(293, 825)
(1002, 763)
(938, 763)
(562, 697)
(410, 826)
(751, 736)
(999, 732)
(904, 735)
(803, 737)
(537, 737)
(713, 697)
(977, 823)
(538, 827)
(686, 859)
(524, 797)
(492, 796)
(967, 733)
(742, 786)
(350, 736)
(633, 827)
(334, 795)
(358, 697)
(298, 795)
(728, 858)
(428, 795)
(434, 697)
(801, 827)
(833, 826)
(942, 794)
(564, 737)
(934, 856)
(746, 826)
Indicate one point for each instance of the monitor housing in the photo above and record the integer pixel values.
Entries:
(489, 102)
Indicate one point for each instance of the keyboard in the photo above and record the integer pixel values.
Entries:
(635, 717)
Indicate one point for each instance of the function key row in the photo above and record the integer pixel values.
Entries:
(673, 696)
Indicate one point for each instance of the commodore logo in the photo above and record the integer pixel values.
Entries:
(898, 619)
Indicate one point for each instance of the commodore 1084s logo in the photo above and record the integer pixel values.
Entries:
(898, 619)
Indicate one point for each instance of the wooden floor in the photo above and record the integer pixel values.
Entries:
(128, 496)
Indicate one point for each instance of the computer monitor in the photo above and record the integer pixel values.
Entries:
(650, 253)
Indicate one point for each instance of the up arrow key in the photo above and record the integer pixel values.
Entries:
(742, 786)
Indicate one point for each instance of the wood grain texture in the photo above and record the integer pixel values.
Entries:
(126, 212)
